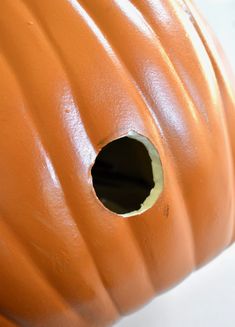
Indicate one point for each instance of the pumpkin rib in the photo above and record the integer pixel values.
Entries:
(140, 92)
(65, 66)
(23, 249)
(106, 289)
(56, 52)
(140, 96)
(170, 63)
(151, 21)
(193, 102)
(126, 69)
(186, 91)
(35, 128)
(38, 278)
(224, 95)
(194, 255)
(94, 265)
(8, 229)
(188, 9)
(62, 62)
(65, 69)
(122, 67)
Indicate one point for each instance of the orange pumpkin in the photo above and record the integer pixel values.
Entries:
(75, 76)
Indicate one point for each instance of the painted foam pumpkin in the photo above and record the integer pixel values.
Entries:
(117, 145)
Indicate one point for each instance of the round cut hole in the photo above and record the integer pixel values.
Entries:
(127, 175)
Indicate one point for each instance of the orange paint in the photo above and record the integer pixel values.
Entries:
(75, 75)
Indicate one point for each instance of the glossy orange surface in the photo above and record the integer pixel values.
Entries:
(75, 75)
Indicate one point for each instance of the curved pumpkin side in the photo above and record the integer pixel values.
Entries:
(168, 20)
(75, 77)
(28, 177)
(226, 81)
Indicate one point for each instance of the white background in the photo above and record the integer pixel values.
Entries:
(207, 297)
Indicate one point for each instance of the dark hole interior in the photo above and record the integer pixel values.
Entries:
(122, 175)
